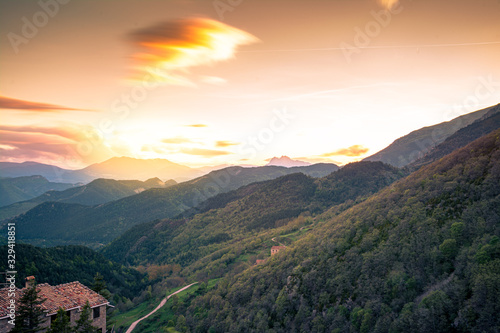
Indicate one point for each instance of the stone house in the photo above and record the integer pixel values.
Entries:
(69, 296)
(276, 249)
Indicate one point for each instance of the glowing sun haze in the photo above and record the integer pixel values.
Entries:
(200, 83)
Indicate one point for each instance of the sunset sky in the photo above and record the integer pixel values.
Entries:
(237, 81)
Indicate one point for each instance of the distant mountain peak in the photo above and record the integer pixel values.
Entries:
(287, 162)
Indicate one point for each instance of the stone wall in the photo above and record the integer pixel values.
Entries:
(101, 321)
(74, 316)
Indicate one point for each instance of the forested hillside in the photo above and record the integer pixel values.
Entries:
(61, 223)
(422, 255)
(97, 192)
(24, 188)
(65, 264)
(235, 219)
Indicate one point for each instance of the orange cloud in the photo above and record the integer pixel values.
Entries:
(8, 103)
(69, 132)
(69, 145)
(204, 152)
(168, 50)
(223, 144)
(177, 140)
(388, 4)
(197, 125)
(353, 151)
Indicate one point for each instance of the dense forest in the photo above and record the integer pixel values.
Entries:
(236, 220)
(423, 255)
(65, 264)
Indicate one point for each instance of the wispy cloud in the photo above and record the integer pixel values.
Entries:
(204, 152)
(177, 140)
(9, 103)
(213, 80)
(168, 50)
(353, 151)
(196, 125)
(66, 131)
(223, 144)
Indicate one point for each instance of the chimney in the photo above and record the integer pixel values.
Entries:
(30, 281)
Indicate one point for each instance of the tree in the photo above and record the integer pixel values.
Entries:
(84, 323)
(449, 248)
(61, 324)
(99, 286)
(181, 324)
(30, 315)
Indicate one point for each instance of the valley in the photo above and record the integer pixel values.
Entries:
(364, 244)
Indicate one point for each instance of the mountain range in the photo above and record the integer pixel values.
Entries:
(224, 220)
(96, 192)
(118, 168)
(27, 187)
(53, 223)
(370, 247)
(416, 144)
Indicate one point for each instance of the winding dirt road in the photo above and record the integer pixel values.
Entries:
(162, 303)
(274, 240)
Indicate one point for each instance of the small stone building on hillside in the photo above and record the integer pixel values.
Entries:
(69, 296)
(276, 249)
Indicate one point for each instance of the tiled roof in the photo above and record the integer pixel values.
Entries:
(67, 296)
(278, 247)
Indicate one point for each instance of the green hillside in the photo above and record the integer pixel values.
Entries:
(237, 218)
(65, 264)
(416, 144)
(96, 192)
(60, 223)
(24, 188)
(422, 255)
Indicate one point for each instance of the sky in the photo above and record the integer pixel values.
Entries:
(237, 81)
